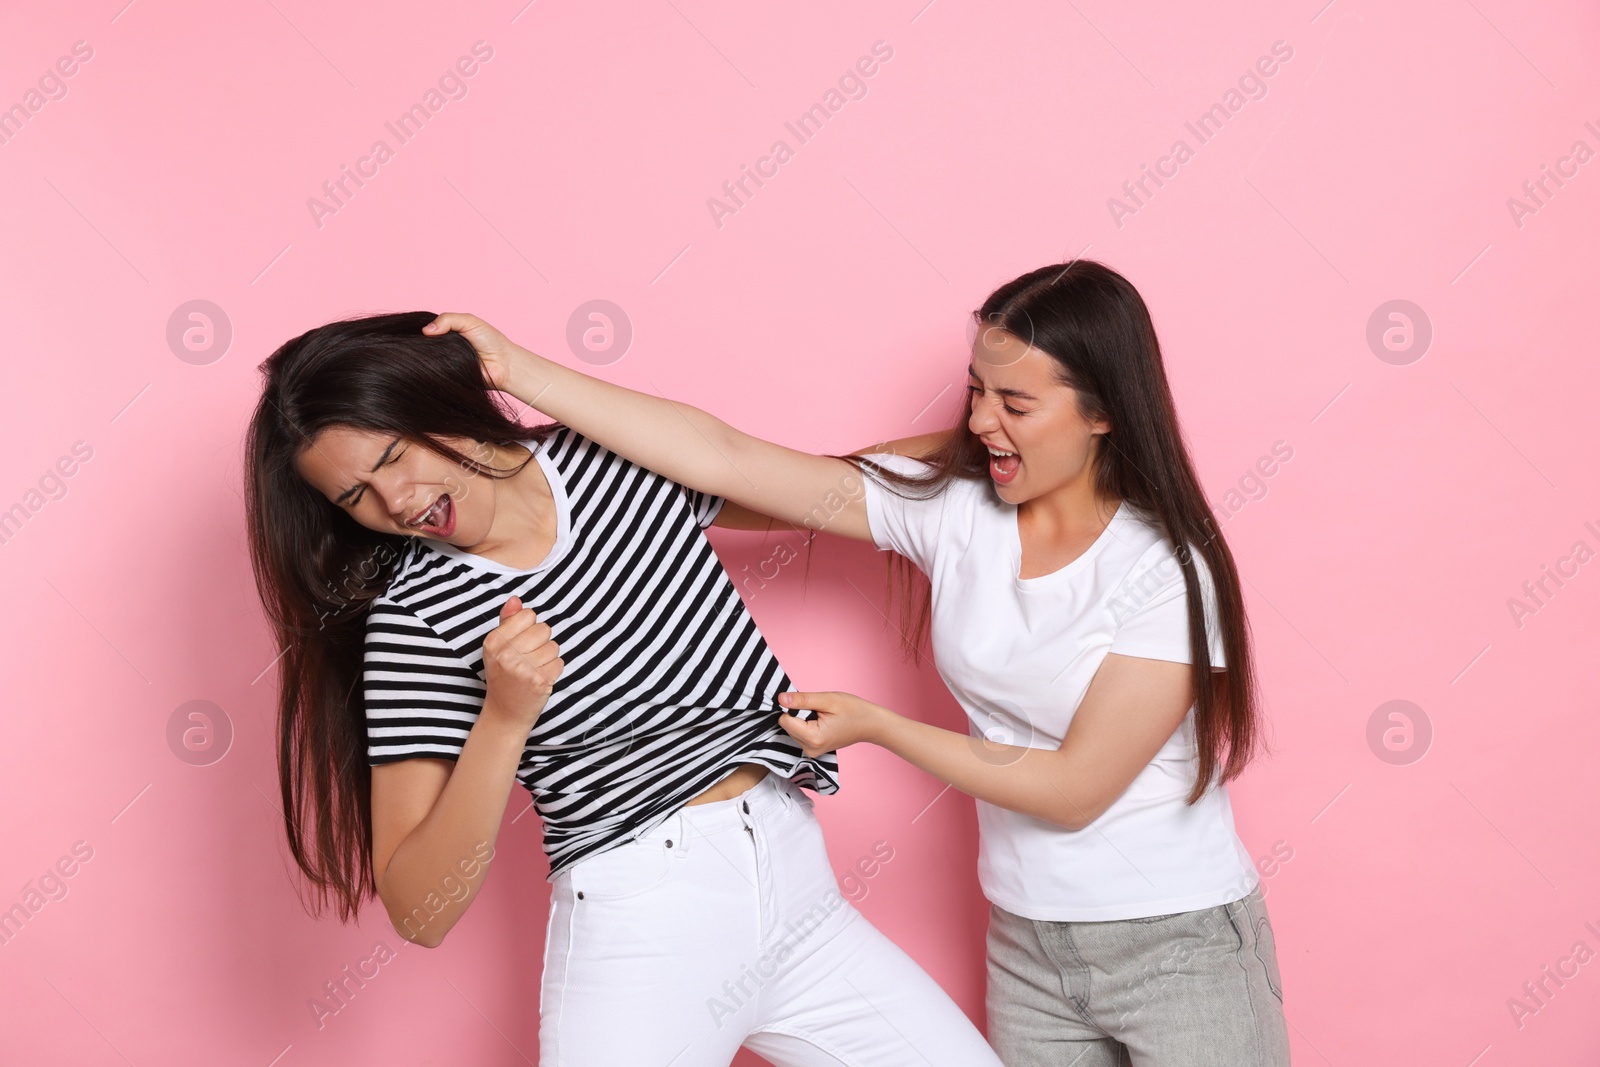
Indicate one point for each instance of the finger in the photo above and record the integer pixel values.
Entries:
(517, 621)
(510, 608)
(802, 702)
(809, 734)
(552, 670)
(452, 320)
(505, 634)
(523, 621)
(543, 652)
(531, 638)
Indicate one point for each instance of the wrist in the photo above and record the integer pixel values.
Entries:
(526, 374)
(501, 728)
(883, 726)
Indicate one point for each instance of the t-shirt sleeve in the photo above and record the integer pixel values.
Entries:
(1151, 609)
(420, 698)
(703, 505)
(904, 524)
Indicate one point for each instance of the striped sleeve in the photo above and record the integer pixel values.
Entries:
(420, 698)
(703, 505)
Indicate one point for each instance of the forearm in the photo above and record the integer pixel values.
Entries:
(437, 870)
(676, 440)
(695, 448)
(1033, 781)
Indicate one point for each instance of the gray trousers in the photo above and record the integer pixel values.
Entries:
(1193, 989)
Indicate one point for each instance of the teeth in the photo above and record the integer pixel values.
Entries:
(423, 519)
(997, 452)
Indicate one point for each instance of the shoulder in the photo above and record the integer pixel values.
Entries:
(399, 636)
(412, 573)
(1143, 564)
(567, 448)
(558, 441)
(390, 623)
(895, 462)
(388, 610)
(951, 489)
(584, 461)
(416, 582)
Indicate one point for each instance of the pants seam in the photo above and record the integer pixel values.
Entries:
(566, 970)
(1255, 943)
(813, 1039)
(1249, 992)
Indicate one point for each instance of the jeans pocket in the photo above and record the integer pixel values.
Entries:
(1249, 914)
(623, 871)
(1154, 918)
(1267, 952)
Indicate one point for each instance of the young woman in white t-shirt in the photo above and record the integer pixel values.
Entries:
(1086, 613)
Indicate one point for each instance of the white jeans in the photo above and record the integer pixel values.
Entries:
(724, 927)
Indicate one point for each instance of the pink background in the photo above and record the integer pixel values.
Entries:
(827, 313)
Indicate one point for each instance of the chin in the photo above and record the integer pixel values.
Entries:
(1009, 492)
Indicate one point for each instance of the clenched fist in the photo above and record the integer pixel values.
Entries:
(520, 665)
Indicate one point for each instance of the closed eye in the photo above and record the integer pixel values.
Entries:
(394, 458)
(977, 391)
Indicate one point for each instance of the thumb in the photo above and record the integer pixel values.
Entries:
(804, 705)
(459, 321)
(510, 608)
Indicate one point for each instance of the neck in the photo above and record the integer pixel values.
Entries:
(1071, 510)
(523, 503)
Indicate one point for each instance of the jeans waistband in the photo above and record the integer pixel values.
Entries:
(770, 797)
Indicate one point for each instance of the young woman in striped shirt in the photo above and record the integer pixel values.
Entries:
(465, 603)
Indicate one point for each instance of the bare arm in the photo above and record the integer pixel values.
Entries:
(1132, 707)
(675, 440)
(734, 517)
(433, 823)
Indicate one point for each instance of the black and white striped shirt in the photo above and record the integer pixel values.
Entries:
(667, 684)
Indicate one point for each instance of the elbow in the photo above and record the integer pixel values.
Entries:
(1076, 816)
(417, 926)
(424, 942)
(423, 936)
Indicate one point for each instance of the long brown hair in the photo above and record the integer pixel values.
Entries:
(1094, 324)
(317, 570)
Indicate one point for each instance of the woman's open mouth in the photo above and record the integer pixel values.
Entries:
(1003, 466)
(439, 519)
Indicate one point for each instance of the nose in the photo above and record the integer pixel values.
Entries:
(983, 418)
(396, 499)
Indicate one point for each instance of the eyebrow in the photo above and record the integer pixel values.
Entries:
(342, 497)
(1016, 394)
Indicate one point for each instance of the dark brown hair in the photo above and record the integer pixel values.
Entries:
(317, 569)
(1096, 327)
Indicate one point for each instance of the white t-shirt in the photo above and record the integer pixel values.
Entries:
(1018, 654)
